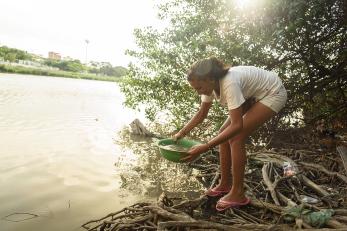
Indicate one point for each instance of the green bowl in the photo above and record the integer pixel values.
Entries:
(172, 155)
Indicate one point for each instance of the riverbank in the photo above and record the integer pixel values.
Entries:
(311, 195)
(55, 73)
(291, 185)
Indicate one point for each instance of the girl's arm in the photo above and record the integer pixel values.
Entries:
(234, 127)
(225, 125)
(195, 120)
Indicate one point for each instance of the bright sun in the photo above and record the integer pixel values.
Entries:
(243, 3)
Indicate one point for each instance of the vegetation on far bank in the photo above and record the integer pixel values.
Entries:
(66, 67)
(55, 73)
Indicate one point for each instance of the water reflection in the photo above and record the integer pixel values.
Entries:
(148, 174)
(57, 154)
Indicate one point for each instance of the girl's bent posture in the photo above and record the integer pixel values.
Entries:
(234, 87)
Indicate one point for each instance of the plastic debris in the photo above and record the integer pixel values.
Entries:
(318, 219)
(288, 169)
(309, 200)
(315, 219)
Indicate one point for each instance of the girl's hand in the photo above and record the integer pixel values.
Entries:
(177, 136)
(195, 151)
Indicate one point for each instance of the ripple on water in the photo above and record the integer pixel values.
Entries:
(56, 146)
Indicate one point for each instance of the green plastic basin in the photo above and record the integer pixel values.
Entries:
(172, 155)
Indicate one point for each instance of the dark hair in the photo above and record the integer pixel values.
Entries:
(208, 68)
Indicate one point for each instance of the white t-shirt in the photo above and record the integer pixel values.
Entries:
(242, 83)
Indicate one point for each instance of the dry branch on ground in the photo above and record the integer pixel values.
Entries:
(317, 175)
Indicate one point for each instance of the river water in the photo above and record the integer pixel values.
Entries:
(66, 156)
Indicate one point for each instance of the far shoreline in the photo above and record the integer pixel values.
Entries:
(55, 73)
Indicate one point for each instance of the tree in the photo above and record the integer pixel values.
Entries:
(73, 65)
(11, 57)
(304, 41)
(105, 68)
(12, 54)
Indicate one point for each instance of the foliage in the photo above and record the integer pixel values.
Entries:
(99, 68)
(66, 65)
(57, 73)
(12, 54)
(105, 68)
(304, 41)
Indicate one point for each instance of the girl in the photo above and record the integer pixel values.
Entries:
(232, 87)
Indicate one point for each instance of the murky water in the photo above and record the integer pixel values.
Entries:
(176, 148)
(66, 157)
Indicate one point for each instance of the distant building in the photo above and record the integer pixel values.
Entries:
(54, 55)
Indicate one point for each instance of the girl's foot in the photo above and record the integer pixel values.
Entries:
(217, 191)
(234, 197)
(224, 204)
(232, 200)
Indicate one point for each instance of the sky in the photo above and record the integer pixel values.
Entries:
(62, 26)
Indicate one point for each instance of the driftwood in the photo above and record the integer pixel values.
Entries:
(342, 150)
(324, 170)
(271, 191)
(313, 186)
(215, 226)
(138, 128)
(268, 183)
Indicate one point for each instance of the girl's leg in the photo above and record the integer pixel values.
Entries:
(257, 115)
(225, 162)
(238, 170)
(225, 166)
(225, 152)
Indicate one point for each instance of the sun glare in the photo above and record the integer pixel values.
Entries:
(243, 3)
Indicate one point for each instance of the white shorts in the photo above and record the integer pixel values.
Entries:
(277, 100)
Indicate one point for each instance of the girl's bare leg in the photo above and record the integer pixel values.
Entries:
(225, 152)
(238, 170)
(257, 115)
(225, 162)
(225, 167)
